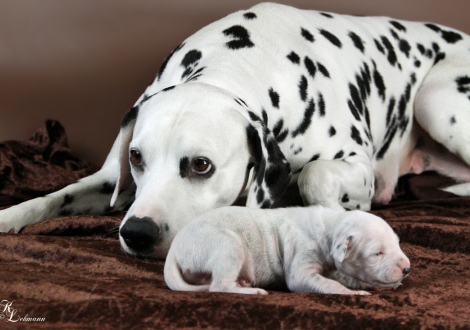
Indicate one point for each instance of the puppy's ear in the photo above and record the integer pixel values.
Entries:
(341, 247)
(272, 172)
(124, 139)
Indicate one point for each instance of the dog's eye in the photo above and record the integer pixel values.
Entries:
(379, 254)
(201, 166)
(136, 157)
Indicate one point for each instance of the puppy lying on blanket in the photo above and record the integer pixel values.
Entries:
(313, 249)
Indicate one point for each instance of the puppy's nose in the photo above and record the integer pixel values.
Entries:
(406, 271)
(140, 234)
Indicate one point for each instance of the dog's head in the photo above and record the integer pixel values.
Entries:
(190, 149)
(366, 248)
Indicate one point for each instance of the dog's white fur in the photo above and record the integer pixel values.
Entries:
(296, 91)
(313, 249)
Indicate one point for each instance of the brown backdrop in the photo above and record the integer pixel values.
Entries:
(85, 62)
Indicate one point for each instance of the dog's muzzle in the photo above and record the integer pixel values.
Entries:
(406, 271)
(140, 234)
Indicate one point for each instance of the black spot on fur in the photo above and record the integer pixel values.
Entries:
(240, 36)
(168, 89)
(331, 38)
(345, 198)
(307, 120)
(326, 15)
(332, 131)
(392, 56)
(189, 61)
(449, 36)
(357, 41)
(394, 34)
(323, 70)
(321, 105)
(356, 135)
(265, 117)
(68, 199)
(249, 16)
(184, 167)
(398, 26)
(278, 131)
(311, 68)
(379, 83)
(306, 34)
(107, 188)
(274, 96)
(339, 154)
(129, 116)
(391, 107)
(303, 85)
(294, 58)
(417, 63)
(463, 85)
(167, 59)
(404, 47)
(260, 195)
(196, 74)
(453, 120)
(421, 49)
(379, 46)
(314, 158)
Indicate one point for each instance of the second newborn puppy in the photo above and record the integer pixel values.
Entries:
(312, 249)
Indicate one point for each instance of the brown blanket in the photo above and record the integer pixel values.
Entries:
(72, 272)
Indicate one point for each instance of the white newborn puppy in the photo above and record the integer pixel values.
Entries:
(311, 249)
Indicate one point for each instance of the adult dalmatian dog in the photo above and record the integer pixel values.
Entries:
(343, 105)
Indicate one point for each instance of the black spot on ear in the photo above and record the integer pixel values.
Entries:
(306, 34)
(130, 116)
(311, 68)
(331, 38)
(398, 26)
(241, 37)
(303, 85)
(294, 58)
(357, 41)
(184, 167)
(167, 59)
(249, 16)
(274, 96)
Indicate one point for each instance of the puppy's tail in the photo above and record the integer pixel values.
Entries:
(174, 278)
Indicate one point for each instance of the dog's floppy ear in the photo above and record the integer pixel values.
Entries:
(124, 139)
(272, 172)
(341, 246)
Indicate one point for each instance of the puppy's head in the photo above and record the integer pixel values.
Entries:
(366, 248)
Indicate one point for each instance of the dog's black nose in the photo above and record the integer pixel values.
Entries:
(406, 271)
(140, 234)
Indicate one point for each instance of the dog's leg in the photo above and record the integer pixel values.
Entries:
(442, 109)
(337, 184)
(90, 195)
(309, 280)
